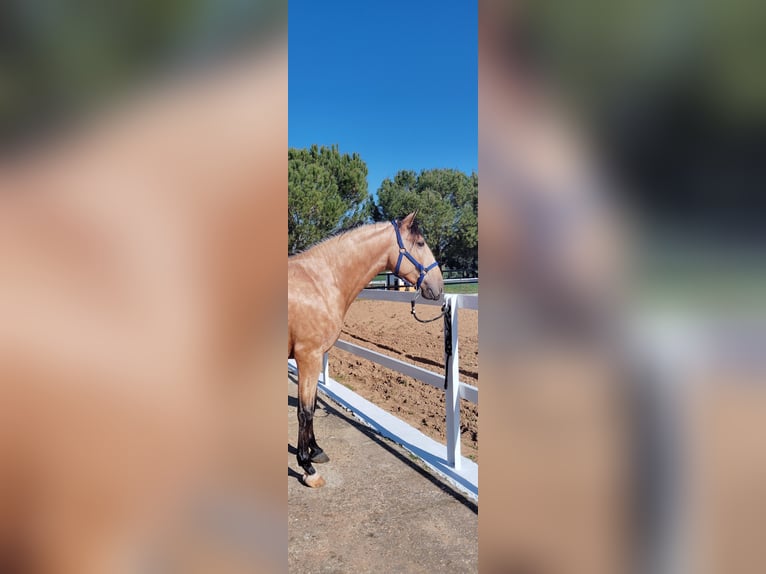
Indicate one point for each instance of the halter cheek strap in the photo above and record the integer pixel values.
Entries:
(404, 253)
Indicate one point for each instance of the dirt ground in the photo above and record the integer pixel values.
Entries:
(380, 511)
(388, 328)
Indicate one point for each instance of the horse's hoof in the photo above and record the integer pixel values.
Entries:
(313, 480)
(321, 458)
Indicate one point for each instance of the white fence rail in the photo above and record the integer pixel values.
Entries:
(455, 389)
(392, 281)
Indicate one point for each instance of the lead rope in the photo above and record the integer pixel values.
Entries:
(446, 313)
(418, 319)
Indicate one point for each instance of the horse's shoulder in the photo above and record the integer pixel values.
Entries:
(304, 271)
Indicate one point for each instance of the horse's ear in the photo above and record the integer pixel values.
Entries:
(407, 221)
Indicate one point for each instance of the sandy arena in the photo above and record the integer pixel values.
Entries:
(388, 328)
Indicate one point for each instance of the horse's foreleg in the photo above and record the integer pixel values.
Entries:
(316, 452)
(308, 373)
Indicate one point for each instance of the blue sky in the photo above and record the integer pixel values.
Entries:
(395, 81)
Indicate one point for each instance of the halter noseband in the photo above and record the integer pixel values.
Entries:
(404, 253)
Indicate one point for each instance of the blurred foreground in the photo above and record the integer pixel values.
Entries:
(138, 336)
(623, 333)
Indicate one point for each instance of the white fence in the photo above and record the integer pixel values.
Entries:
(455, 390)
(446, 460)
(392, 280)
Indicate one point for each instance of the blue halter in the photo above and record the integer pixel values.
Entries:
(404, 253)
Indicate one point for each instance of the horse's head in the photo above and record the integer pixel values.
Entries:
(411, 259)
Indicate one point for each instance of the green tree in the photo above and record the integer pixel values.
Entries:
(327, 191)
(462, 252)
(447, 202)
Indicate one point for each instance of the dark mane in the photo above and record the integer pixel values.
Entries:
(415, 230)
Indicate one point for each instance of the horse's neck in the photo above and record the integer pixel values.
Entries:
(355, 257)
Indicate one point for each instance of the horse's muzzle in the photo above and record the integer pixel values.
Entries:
(430, 293)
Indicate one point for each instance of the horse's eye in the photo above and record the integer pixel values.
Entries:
(421, 243)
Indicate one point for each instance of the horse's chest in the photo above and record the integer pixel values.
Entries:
(327, 332)
(312, 322)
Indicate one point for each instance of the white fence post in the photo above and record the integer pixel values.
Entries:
(325, 370)
(452, 393)
(455, 389)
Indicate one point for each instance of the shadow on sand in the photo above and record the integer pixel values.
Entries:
(383, 443)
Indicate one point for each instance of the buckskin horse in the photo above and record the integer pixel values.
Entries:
(322, 283)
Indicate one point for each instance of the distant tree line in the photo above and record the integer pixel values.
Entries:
(327, 192)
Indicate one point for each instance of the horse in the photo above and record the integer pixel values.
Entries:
(322, 283)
